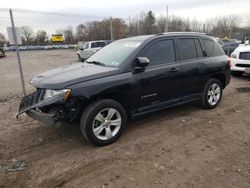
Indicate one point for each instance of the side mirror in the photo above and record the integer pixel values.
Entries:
(140, 64)
(142, 61)
(247, 42)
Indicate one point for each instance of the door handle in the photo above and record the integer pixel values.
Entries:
(174, 70)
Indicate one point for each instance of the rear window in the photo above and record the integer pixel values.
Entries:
(209, 46)
(245, 55)
(98, 44)
(187, 49)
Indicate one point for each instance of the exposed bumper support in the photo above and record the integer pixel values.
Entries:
(50, 119)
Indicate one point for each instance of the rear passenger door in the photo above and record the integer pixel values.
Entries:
(195, 66)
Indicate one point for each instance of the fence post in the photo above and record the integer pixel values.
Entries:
(230, 35)
(111, 29)
(17, 52)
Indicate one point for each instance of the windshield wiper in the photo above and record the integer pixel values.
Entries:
(96, 63)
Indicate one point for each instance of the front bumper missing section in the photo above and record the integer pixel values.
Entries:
(50, 119)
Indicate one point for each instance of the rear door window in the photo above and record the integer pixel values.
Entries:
(160, 52)
(187, 49)
(198, 47)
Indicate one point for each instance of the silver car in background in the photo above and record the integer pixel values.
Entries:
(89, 48)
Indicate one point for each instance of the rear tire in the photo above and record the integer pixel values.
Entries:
(236, 73)
(212, 94)
(103, 122)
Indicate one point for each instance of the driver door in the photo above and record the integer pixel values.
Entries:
(160, 83)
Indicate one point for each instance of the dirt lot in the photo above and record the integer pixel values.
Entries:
(33, 62)
(179, 147)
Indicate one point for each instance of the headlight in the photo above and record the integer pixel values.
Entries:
(49, 93)
(233, 56)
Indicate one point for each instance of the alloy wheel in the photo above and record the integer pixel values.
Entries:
(107, 123)
(214, 94)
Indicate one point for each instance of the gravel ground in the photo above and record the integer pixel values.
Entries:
(184, 146)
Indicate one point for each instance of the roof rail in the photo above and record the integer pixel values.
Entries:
(183, 33)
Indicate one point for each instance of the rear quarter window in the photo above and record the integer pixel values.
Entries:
(212, 48)
(209, 46)
(218, 51)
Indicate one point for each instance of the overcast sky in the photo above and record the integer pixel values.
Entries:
(83, 11)
(199, 9)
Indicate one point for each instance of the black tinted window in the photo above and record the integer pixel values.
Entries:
(218, 50)
(198, 47)
(245, 55)
(97, 44)
(160, 52)
(209, 46)
(187, 49)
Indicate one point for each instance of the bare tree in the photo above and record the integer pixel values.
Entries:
(41, 37)
(176, 23)
(68, 35)
(119, 28)
(195, 25)
(2, 38)
(27, 35)
(161, 24)
(81, 31)
(224, 25)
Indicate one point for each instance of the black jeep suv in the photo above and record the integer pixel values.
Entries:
(128, 78)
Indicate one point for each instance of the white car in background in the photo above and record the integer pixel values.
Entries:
(89, 48)
(240, 59)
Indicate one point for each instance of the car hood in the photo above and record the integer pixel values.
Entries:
(65, 76)
(243, 48)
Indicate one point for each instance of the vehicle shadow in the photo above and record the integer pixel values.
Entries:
(166, 114)
(73, 131)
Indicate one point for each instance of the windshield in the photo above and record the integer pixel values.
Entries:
(115, 53)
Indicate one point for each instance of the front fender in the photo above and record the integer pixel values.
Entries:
(102, 86)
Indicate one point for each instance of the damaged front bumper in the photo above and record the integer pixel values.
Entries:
(50, 119)
(30, 105)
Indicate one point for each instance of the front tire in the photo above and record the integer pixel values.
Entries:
(212, 94)
(103, 122)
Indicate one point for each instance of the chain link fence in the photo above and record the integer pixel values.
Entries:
(45, 40)
(48, 40)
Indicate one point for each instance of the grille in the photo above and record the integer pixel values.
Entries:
(29, 101)
(243, 65)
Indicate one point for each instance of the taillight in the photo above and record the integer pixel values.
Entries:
(229, 62)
